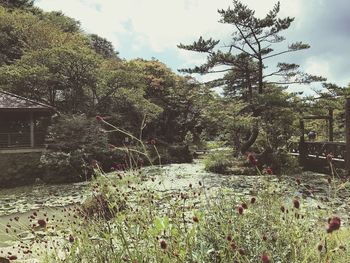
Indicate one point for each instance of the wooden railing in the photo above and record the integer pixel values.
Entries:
(21, 140)
(319, 150)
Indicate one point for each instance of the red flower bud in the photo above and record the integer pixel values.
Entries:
(195, 219)
(240, 210)
(333, 224)
(12, 257)
(252, 159)
(42, 223)
(296, 203)
(269, 170)
(99, 118)
(244, 205)
(163, 244)
(253, 200)
(265, 258)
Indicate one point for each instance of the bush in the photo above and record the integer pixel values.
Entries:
(78, 142)
(219, 162)
(19, 168)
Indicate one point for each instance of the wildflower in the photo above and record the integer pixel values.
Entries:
(296, 203)
(71, 239)
(253, 200)
(240, 210)
(233, 245)
(195, 219)
(244, 205)
(163, 244)
(229, 238)
(99, 118)
(252, 159)
(12, 257)
(152, 141)
(265, 258)
(268, 170)
(42, 223)
(333, 224)
(329, 158)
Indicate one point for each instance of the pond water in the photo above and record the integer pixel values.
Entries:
(173, 177)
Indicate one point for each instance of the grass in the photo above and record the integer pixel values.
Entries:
(124, 222)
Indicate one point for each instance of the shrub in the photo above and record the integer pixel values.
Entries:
(219, 162)
(78, 141)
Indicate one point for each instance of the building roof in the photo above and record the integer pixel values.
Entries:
(13, 102)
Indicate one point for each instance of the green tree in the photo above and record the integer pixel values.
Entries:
(17, 3)
(103, 47)
(59, 76)
(244, 58)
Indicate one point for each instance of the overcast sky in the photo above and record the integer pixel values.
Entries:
(154, 28)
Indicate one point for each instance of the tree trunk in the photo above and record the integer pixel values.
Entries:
(253, 136)
(260, 80)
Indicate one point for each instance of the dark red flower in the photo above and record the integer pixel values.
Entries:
(152, 141)
(296, 203)
(265, 258)
(333, 224)
(269, 170)
(195, 219)
(253, 200)
(251, 158)
(12, 257)
(244, 205)
(229, 238)
(240, 210)
(298, 180)
(163, 244)
(42, 223)
(99, 118)
(71, 239)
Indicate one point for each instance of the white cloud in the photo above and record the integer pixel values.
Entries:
(161, 23)
(159, 26)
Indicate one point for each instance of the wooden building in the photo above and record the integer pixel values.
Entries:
(23, 123)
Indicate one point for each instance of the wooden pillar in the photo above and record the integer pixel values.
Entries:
(330, 125)
(347, 135)
(31, 123)
(302, 146)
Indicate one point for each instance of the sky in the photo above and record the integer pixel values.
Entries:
(153, 29)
